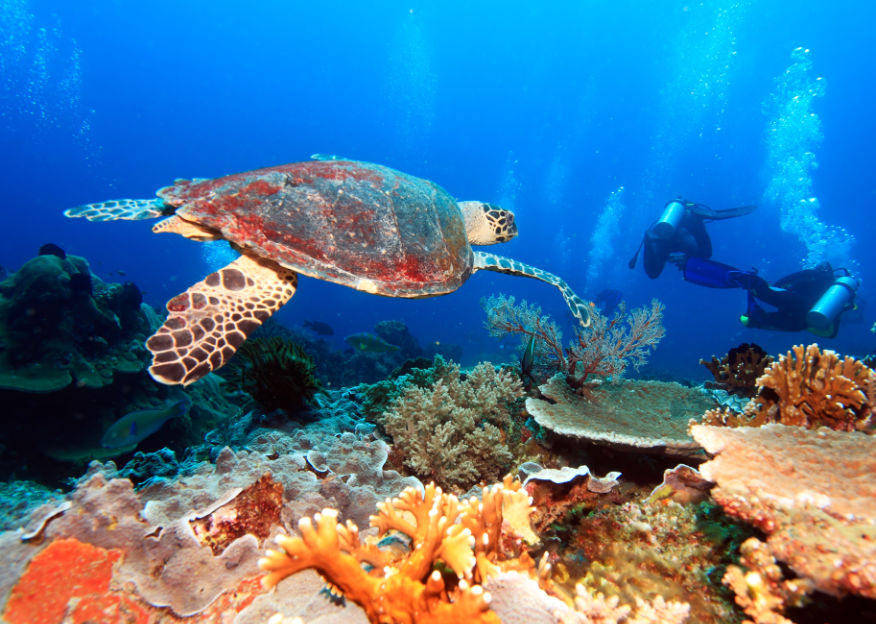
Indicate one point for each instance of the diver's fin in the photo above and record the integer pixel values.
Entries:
(115, 209)
(717, 215)
(492, 262)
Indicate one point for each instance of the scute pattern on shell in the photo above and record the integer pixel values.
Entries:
(210, 320)
(357, 224)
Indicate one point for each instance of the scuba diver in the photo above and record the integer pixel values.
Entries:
(680, 233)
(811, 299)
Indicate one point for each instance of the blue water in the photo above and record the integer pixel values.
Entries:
(548, 108)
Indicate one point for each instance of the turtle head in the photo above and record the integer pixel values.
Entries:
(487, 224)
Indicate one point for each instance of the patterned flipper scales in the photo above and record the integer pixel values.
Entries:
(491, 262)
(115, 209)
(208, 322)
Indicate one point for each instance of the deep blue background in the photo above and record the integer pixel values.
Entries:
(547, 108)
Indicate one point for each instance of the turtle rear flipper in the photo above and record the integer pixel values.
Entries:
(116, 209)
(491, 262)
(209, 321)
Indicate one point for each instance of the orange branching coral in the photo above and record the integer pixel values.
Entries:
(813, 388)
(738, 371)
(760, 586)
(455, 545)
(728, 417)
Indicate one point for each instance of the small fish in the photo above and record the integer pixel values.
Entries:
(528, 358)
(369, 343)
(133, 428)
(318, 327)
(319, 156)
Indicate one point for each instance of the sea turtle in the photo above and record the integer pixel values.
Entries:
(353, 223)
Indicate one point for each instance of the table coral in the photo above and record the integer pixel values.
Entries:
(811, 388)
(639, 415)
(810, 491)
(455, 546)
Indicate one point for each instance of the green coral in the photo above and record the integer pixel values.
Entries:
(376, 398)
(276, 372)
(457, 431)
(676, 551)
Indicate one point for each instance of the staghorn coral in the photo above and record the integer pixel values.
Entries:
(811, 492)
(276, 372)
(762, 591)
(456, 432)
(738, 371)
(813, 388)
(603, 349)
(455, 546)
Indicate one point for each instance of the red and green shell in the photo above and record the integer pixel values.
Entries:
(352, 223)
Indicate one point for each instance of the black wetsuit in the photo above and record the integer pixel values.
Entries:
(690, 239)
(792, 297)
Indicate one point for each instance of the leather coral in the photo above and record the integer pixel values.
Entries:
(812, 388)
(454, 546)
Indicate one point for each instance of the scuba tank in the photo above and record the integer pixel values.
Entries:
(669, 221)
(823, 315)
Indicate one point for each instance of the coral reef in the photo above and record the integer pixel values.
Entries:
(810, 491)
(809, 388)
(252, 510)
(555, 492)
(760, 586)
(456, 432)
(466, 561)
(604, 349)
(72, 359)
(180, 562)
(60, 325)
(276, 372)
(376, 398)
(632, 415)
(474, 539)
(639, 551)
(738, 371)
(813, 388)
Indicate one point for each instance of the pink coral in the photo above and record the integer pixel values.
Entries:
(810, 491)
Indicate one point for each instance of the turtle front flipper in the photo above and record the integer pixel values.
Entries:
(491, 262)
(208, 322)
(115, 209)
